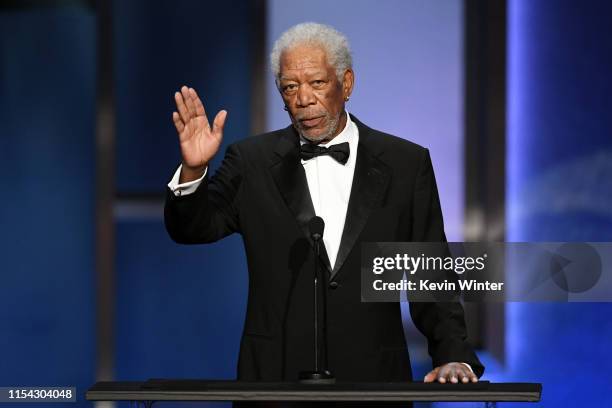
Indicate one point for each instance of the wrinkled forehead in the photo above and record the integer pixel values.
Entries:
(303, 57)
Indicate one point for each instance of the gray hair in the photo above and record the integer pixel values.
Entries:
(333, 42)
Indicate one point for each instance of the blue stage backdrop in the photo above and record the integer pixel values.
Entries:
(180, 309)
(47, 123)
(560, 186)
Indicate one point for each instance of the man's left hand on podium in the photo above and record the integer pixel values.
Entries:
(451, 372)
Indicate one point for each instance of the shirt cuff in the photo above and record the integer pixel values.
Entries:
(468, 366)
(184, 188)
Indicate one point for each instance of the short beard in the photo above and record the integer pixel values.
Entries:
(332, 124)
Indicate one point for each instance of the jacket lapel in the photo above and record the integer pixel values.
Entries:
(370, 182)
(290, 179)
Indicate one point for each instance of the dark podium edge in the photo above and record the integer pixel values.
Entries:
(494, 392)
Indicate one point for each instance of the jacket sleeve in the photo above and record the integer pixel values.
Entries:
(211, 212)
(443, 323)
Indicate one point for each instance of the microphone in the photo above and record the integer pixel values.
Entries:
(316, 225)
(320, 374)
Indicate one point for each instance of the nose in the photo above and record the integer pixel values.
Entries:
(305, 96)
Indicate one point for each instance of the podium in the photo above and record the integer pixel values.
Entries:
(153, 390)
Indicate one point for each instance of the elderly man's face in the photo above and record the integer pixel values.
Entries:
(312, 93)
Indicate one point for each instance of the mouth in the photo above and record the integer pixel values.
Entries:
(311, 122)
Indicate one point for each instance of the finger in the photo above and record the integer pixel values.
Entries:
(199, 107)
(456, 371)
(219, 123)
(197, 102)
(180, 106)
(431, 376)
(453, 376)
(188, 101)
(178, 123)
(445, 373)
(464, 374)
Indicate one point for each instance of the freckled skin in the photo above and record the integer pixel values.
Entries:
(310, 89)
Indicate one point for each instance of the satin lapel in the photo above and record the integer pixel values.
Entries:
(290, 179)
(370, 183)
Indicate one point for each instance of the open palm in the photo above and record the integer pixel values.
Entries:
(199, 142)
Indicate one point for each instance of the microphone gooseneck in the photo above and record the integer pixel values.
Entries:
(320, 374)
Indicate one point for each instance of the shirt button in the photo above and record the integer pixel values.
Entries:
(333, 285)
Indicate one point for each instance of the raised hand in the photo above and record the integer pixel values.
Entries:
(451, 372)
(199, 142)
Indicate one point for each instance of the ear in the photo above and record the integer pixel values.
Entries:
(348, 81)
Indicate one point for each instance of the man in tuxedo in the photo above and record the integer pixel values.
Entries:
(368, 186)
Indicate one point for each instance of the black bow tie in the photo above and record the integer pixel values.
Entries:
(340, 152)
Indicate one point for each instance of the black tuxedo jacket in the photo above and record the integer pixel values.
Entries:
(260, 191)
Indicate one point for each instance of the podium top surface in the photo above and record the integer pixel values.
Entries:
(220, 390)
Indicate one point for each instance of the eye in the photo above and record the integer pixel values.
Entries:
(289, 87)
(318, 83)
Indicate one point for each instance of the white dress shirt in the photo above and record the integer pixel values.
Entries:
(329, 183)
(184, 188)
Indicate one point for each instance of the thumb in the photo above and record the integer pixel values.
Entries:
(431, 376)
(219, 122)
